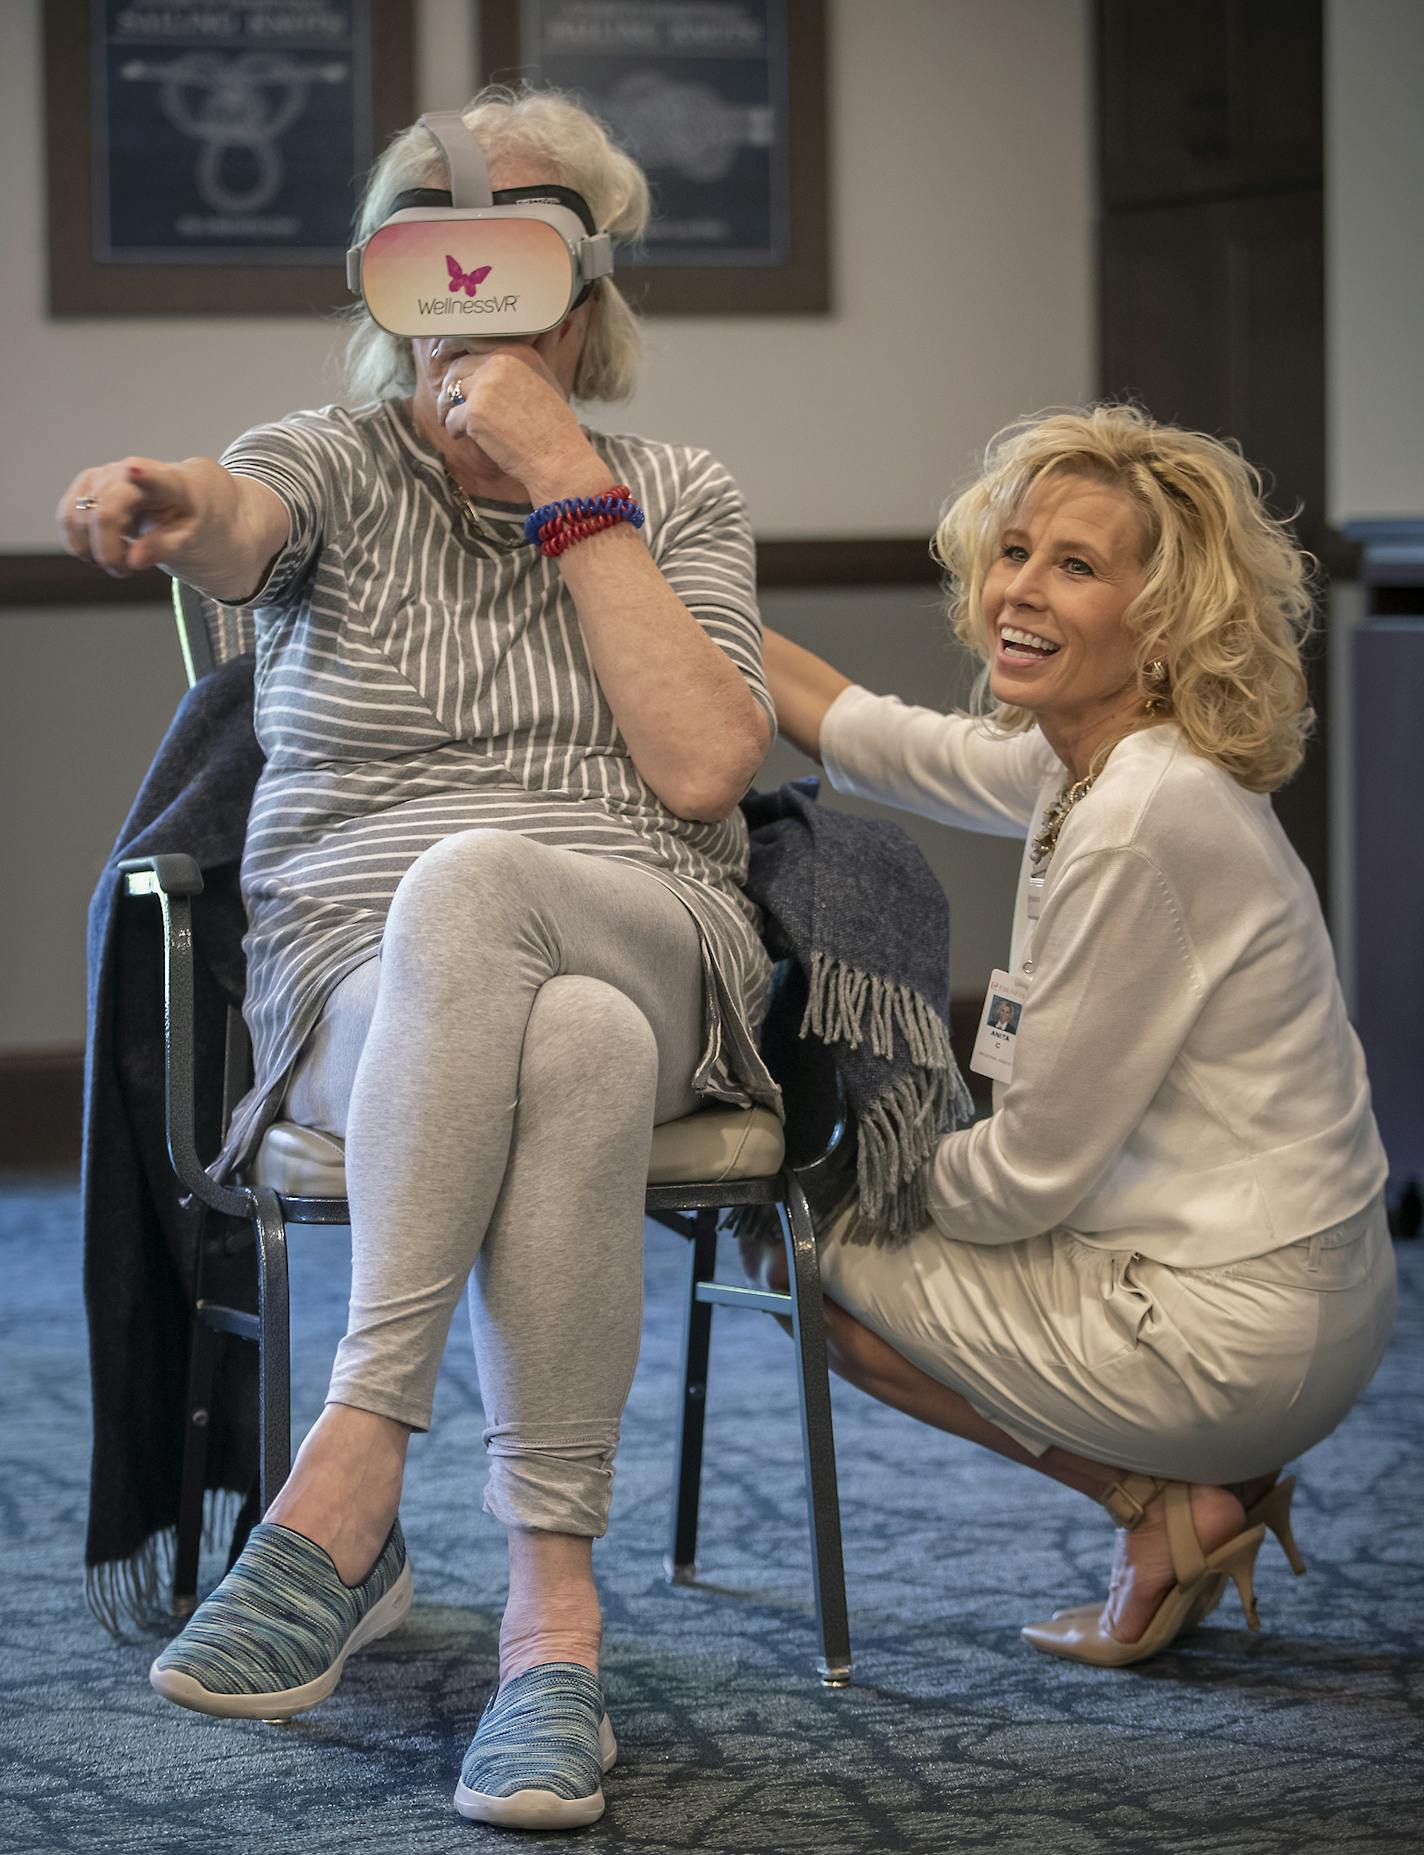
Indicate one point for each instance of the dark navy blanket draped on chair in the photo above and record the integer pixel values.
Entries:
(859, 1010)
(139, 1240)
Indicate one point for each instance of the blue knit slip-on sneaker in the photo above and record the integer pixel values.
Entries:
(274, 1636)
(539, 1752)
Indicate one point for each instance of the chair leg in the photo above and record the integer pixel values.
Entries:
(681, 1562)
(822, 1499)
(274, 1347)
(202, 1358)
(247, 1517)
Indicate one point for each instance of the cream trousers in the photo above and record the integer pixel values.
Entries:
(1209, 1375)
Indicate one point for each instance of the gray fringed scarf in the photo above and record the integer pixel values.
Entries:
(860, 1002)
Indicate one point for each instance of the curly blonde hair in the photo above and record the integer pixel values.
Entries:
(538, 125)
(1226, 600)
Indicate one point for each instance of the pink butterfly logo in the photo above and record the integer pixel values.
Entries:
(468, 281)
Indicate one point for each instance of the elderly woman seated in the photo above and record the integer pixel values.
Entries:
(1161, 1267)
(495, 934)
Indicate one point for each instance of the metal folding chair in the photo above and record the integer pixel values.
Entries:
(716, 1160)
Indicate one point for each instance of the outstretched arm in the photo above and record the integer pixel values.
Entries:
(942, 766)
(196, 520)
(803, 686)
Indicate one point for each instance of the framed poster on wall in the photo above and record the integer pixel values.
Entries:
(723, 102)
(206, 157)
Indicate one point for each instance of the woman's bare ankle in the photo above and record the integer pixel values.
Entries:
(529, 1642)
(344, 1489)
(1142, 1561)
(553, 1613)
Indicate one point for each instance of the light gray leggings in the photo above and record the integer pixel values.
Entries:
(497, 1075)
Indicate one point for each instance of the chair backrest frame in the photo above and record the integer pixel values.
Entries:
(209, 632)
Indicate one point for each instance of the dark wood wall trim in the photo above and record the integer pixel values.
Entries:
(843, 560)
(41, 1100)
(58, 579)
(848, 560)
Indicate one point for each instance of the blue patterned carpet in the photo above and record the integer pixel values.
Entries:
(955, 1736)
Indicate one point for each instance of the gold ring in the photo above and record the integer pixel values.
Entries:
(455, 394)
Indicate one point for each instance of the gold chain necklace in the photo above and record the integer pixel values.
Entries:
(487, 531)
(1053, 819)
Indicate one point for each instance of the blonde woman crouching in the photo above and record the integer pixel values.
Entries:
(1160, 1268)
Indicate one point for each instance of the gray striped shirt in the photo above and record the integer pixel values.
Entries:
(421, 671)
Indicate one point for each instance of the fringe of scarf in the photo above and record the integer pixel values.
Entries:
(134, 1593)
(897, 1136)
(846, 1005)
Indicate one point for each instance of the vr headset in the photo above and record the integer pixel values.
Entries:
(474, 262)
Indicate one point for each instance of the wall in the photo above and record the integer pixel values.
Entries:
(1374, 206)
(962, 288)
(87, 694)
(1374, 250)
(962, 297)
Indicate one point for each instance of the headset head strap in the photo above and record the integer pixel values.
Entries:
(464, 158)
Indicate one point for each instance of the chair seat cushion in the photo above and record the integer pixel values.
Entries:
(711, 1147)
(716, 1145)
(299, 1162)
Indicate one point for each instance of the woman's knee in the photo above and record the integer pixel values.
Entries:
(470, 878)
(589, 1041)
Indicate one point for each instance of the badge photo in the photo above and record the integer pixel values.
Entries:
(997, 1040)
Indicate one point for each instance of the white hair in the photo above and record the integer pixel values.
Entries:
(537, 125)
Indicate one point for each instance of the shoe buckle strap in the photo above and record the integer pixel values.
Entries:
(1127, 1500)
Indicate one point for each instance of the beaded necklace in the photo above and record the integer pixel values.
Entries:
(1045, 843)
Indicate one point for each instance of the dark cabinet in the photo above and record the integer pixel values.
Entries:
(1214, 314)
(1204, 97)
(1212, 263)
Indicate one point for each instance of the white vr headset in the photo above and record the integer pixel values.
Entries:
(474, 262)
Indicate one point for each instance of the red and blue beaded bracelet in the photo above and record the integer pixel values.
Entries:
(558, 525)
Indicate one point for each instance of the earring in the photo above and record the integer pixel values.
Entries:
(1158, 702)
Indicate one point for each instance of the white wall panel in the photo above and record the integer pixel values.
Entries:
(1374, 230)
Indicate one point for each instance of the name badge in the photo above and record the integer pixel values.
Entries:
(999, 1027)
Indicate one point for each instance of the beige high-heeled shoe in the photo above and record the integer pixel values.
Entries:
(1273, 1511)
(1086, 1638)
